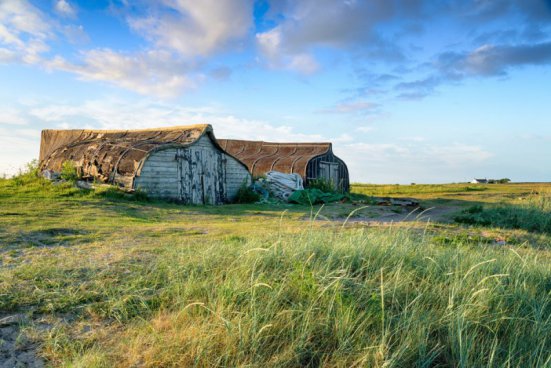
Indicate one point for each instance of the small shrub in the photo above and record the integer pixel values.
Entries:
(113, 193)
(473, 215)
(140, 195)
(474, 209)
(246, 194)
(532, 215)
(322, 184)
(475, 189)
(28, 175)
(69, 171)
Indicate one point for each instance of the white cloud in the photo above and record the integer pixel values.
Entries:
(156, 73)
(114, 114)
(365, 129)
(7, 56)
(23, 32)
(413, 139)
(413, 162)
(270, 45)
(75, 34)
(64, 8)
(347, 107)
(449, 155)
(195, 28)
(311, 24)
(397, 161)
(18, 148)
(303, 63)
(9, 116)
(343, 138)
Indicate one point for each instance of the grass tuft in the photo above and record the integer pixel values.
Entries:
(124, 282)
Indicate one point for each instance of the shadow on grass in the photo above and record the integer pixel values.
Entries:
(54, 237)
(534, 215)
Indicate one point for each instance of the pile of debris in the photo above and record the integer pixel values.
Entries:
(278, 185)
(290, 188)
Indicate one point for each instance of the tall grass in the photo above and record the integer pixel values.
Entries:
(386, 190)
(331, 298)
(532, 213)
(156, 285)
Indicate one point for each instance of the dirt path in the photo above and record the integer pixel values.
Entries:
(386, 215)
(16, 351)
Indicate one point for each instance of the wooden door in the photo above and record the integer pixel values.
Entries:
(329, 171)
(183, 158)
(202, 175)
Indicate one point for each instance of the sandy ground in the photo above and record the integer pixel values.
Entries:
(387, 214)
(17, 351)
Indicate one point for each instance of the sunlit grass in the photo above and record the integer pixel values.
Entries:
(331, 297)
(124, 282)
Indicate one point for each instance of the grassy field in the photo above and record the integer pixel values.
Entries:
(103, 279)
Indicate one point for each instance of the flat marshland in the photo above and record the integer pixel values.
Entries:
(102, 279)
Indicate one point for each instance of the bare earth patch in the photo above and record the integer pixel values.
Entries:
(16, 350)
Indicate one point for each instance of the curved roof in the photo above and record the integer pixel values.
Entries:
(113, 155)
(261, 157)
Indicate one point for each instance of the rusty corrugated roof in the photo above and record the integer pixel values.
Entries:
(261, 157)
(106, 154)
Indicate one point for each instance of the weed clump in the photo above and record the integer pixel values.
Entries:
(534, 214)
(69, 171)
(321, 184)
(246, 194)
(28, 175)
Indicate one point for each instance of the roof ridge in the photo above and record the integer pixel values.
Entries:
(176, 127)
(274, 143)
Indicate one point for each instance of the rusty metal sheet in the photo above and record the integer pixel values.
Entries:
(109, 154)
(261, 157)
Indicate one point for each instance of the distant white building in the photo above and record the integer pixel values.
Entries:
(479, 181)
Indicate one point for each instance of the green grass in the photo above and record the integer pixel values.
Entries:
(375, 189)
(532, 214)
(452, 191)
(126, 282)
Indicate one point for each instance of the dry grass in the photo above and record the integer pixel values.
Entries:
(129, 283)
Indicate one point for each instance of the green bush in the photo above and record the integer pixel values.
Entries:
(533, 215)
(28, 175)
(246, 195)
(322, 184)
(69, 171)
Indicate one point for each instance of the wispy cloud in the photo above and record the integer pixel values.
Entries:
(410, 161)
(490, 60)
(379, 40)
(65, 9)
(484, 61)
(194, 28)
(350, 26)
(180, 32)
(20, 144)
(24, 31)
(11, 116)
(153, 72)
(349, 107)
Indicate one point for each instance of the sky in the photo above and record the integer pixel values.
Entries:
(407, 90)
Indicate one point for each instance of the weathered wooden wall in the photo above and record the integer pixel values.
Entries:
(198, 174)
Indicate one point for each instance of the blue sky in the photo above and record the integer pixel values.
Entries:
(407, 90)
